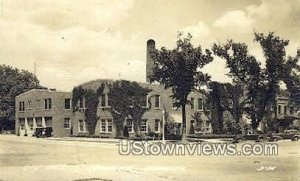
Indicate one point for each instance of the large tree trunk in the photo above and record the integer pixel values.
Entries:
(183, 124)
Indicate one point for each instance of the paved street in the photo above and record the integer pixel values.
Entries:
(23, 158)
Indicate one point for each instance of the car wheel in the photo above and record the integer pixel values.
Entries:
(275, 139)
(239, 140)
(295, 138)
(260, 139)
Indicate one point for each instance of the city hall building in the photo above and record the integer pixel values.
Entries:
(39, 108)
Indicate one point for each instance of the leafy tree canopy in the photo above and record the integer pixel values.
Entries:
(12, 83)
(262, 82)
(180, 70)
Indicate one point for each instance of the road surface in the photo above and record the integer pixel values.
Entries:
(23, 158)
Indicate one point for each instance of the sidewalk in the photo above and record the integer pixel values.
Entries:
(82, 139)
(105, 140)
(112, 140)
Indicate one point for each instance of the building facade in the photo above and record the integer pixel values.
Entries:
(40, 108)
(287, 113)
(158, 103)
(53, 109)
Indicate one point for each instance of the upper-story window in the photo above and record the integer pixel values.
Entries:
(67, 123)
(192, 103)
(279, 109)
(285, 110)
(29, 104)
(38, 103)
(106, 126)
(157, 101)
(157, 125)
(129, 123)
(67, 103)
(144, 126)
(200, 103)
(145, 101)
(109, 100)
(80, 102)
(48, 103)
(105, 101)
(21, 106)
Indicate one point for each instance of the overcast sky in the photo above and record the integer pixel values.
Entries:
(76, 41)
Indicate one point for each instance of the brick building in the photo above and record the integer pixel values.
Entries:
(40, 108)
(46, 108)
(151, 121)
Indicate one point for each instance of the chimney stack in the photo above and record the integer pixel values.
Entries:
(149, 60)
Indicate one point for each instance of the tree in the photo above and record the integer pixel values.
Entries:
(224, 97)
(12, 83)
(262, 83)
(180, 70)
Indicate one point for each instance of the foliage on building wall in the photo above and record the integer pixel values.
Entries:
(127, 101)
(91, 103)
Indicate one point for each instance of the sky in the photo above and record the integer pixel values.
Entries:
(72, 42)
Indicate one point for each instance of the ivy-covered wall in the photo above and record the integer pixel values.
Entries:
(126, 101)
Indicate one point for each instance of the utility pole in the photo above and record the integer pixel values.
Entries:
(163, 125)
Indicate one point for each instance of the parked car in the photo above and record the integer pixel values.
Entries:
(258, 137)
(273, 137)
(292, 134)
(254, 137)
(43, 132)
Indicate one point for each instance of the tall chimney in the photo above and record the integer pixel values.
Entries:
(149, 60)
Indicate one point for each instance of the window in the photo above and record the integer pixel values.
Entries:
(109, 100)
(106, 126)
(67, 103)
(157, 125)
(29, 104)
(47, 103)
(129, 123)
(207, 126)
(67, 123)
(284, 109)
(279, 109)
(21, 106)
(200, 103)
(192, 103)
(81, 102)
(145, 101)
(103, 100)
(103, 125)
(157, 101)
(109, 125)
(143, 127)
(81, 126)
